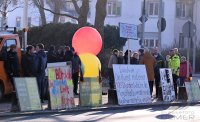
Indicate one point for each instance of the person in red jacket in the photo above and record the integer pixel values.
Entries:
(183, 70)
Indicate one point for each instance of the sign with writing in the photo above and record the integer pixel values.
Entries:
(128, 31)
(60, 86)
(167, 85)
(193, 91)
(131, 84)
(91, 92)
(27, 92)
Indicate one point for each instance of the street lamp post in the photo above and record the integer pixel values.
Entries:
(160, 25)
(25, 22)
(143, 23)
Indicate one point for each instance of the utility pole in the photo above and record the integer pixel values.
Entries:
(195, 39)
(160, 24)
(143, 23)
(25, 22)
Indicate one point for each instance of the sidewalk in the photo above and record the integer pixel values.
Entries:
(5, 107)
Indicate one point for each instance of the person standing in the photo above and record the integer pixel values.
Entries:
(29, 62)
(113, 60)
(76, 70)
(121, 58)
(150, 62)
(174, 64)
(13, 70)
(41, 65)
(135, 58)
(68, 54)
(126, 54)
(51, 55)
(160, 63)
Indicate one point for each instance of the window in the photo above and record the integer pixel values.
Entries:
(150, 43)
(113, 8)
(9, 42)
(153, 9)
(181, 9)
(18, 22)
(29, 21)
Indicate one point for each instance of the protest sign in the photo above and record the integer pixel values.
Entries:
(60, 86)
(128, 30)
(91, 92)
(167, 85)
(193, 91)
(131, 84)
(27, 93)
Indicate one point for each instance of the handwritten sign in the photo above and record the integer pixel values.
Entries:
(131, 84)
(60, 86)
(128, 31)
(167, 85)
(193, 91)
(27, 92)
(90, 92)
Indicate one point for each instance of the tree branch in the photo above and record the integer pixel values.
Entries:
(77, 8)
(14, 9)
(53, 12)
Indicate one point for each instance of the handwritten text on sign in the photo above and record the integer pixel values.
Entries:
(128, 31)
(131, 84)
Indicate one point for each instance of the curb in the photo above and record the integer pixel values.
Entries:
(106, 107)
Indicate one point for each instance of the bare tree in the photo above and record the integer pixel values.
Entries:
(4, 9)
(100, 16)
(41, 11)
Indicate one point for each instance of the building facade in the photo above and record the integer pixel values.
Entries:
(175, 12)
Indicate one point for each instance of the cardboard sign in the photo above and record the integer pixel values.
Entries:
(90, 92)
(60, 86)
(131, 84)
(167, 85)
(27, 92)
(193, 91)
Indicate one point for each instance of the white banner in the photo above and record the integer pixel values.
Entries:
(128, 31)
(131, 84)
(167, 85)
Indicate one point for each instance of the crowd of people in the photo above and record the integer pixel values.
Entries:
(153, 60)
(34, 63)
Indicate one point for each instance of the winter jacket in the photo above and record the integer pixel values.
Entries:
(120, 60)
(12, 64)
(134, 61)
(29, 65)
(113, 60)
(51, 57)
(41, 62)
(68, 55)
(76, 63)
(183, 69)
(160, 63)
(150, 62)
(174, 64)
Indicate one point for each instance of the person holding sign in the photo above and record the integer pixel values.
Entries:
(113, 60)
(150, 62)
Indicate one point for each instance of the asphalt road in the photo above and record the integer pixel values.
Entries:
(155, 114)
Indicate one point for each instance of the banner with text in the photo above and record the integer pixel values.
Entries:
(91, 92)
(167, 85)
(131, 84)
(60, 86)
(193, 91)
(27, 93)
(128, 30)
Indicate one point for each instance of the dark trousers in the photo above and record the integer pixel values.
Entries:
(151, 86)
(157, 82)
(175, 78)
(40, 82)
(111, 78)
(75, 81)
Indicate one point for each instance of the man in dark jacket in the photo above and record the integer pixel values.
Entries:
(29, 62)
(68, 54)
(51, 55)
(42, 63)
(13, 70)
(160, 63)
(76, 69)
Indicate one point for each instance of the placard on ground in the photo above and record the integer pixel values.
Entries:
(131, 84)
(27, 93)
(193, 91)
